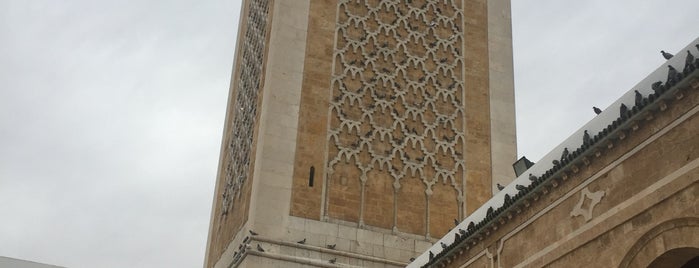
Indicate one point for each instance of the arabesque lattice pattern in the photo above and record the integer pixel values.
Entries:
(397, 94)
(237, 158)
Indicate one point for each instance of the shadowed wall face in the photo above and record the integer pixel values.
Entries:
(236, 163)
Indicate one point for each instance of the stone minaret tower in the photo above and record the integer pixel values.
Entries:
(361, 128)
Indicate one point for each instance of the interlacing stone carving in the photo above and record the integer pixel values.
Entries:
(586, 211)
(397, 93)
(237, 151)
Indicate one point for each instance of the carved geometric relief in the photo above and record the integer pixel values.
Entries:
(237, 151)
(397, 95)
(586, 211)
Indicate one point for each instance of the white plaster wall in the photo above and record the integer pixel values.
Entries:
(502, 98)
(17, 263)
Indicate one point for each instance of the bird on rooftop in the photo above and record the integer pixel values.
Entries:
(666, 55)
(555, 162)
(443, 245)
(412, 259)
(302, 241)
(532, 177)
(597, 110)
(638, 98)
(623, 110)
(259, 248)
(520, 187)
(431, 255)
(333, 260)
(671, 73)
(565, 153)
(462, 232)
(656, 86)
(689, 60)
(500, 187)
(586, 138)
(252, 232)
(456, 222)
(331, 246)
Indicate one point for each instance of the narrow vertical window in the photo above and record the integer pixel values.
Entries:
(310, 176)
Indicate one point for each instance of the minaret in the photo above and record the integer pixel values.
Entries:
(362, 128)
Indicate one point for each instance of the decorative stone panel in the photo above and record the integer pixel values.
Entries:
(396, 113)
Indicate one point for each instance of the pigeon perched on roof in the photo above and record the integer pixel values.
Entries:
(252, 232)
(520, 187)
(623, 110)
(555, 163)
(259, 248)
(656, 86)
(638, 98)
(302, 241)
(671, 73)
(688, 61)
(500, 187)
(431, 255)
(443, 245)
(412, 259)
(331, 246)
(597, 110)
(666, 55)
(586, 138)
(462, 231)
(564, 154)
(456, 222)
(532, 177)
(333, 260)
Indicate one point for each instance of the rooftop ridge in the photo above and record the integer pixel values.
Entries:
(652, 90)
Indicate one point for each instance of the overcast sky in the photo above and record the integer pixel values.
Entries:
(111, 112)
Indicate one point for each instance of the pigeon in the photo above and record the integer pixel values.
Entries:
(331, 246)
(412, 259)
(666, 55)
(623, 110)
(462, 232)
(597, 110)
(456, 222)
(656, 86)
(520, 187)
(489, 212)
(471, 226)
(431, 255)
(689, 59)
(333, 260)
(638, 98)
(586, 138)
(565, 153)
(259, 248)
(443, 245)
(555, 163)
(671, 73)
(532, 177)
(500, 187)
(252, 232)
(302, 241)
(688, 62)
